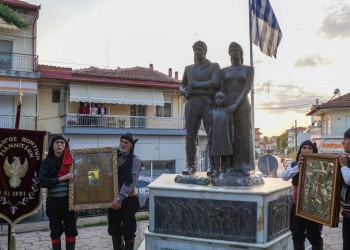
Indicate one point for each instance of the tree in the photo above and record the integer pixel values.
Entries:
(11, 17)
(282, 141)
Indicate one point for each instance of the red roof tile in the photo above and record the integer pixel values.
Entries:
(137, 76)
(136, 73)
(340, 102)
(18, 3)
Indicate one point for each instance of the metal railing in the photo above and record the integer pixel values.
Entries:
(9, 121)
(18, 62)
(115, 121)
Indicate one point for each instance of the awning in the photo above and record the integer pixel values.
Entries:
(116, 95)
(331, 146)
(12, 86)
(5, 25)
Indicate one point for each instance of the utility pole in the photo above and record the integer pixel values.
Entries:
(295, 136)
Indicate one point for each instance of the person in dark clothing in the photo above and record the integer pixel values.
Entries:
(344, 161)
(302, 228)
(121, 218)
(102, 111)
(54, 176)
(83, 112)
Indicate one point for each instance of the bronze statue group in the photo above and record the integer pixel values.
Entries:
(219, 97)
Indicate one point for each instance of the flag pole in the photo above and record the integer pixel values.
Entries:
(252, 87)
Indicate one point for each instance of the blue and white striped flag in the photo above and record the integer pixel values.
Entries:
(264, 28)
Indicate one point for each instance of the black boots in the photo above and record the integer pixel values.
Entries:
(117, 243)
(299, 245)
(70, 243)
(129, 244)
(189, 170)
(56, 244)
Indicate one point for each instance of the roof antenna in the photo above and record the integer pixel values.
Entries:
(336, 93)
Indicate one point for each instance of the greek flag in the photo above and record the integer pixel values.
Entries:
(264, 28)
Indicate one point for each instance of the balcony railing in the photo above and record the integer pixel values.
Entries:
(18, 62)
(113, 121)
(9, 121)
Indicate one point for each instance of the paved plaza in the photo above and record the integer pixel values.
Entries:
(34, 236)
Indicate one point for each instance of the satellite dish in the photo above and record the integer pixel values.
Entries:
(336, 91)
(268, 165)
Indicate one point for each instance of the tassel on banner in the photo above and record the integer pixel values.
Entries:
(13, 240)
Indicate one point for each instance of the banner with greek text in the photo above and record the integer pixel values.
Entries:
(21, 154)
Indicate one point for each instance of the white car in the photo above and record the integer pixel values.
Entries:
(287, 163)
(142, 191)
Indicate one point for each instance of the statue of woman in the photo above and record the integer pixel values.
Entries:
(237, 80)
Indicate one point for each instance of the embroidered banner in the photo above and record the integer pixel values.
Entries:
(21, 154)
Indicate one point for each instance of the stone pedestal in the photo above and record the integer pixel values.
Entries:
(185, 216)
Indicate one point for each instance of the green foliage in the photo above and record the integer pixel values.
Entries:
(257, 155)
(11, 17)
(282, 142)
(291, 154)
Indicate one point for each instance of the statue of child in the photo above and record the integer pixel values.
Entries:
(220, 134)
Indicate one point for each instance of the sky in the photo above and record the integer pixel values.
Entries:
(313, 58)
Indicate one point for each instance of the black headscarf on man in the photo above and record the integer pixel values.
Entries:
(347, 134)
(295, 179)
(58, 137)
(309, 143)
(130, 158)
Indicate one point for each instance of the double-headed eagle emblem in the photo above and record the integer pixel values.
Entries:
(15, 171)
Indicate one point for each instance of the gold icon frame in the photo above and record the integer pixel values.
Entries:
(95, 183)
(319, 189)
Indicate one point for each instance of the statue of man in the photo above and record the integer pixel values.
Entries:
(200, 82)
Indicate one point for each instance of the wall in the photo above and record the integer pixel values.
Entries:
(149, 148)
(21, 40)
(338, 121)
(48, 112)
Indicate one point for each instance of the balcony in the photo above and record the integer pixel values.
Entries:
(9, 121)
(315, 131)
(18, 65)
(111, 124)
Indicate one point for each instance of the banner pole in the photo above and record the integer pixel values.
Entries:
(252, 88)
(19, 109)
(11, 236)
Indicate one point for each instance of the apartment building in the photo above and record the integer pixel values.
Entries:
(139, 100)
(18, 67)
(329, 122)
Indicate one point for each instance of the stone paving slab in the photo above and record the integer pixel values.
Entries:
(31, 237)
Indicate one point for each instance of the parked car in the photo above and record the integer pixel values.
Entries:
(142, 191)
(287, 163)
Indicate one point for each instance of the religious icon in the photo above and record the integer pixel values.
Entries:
(318, 194)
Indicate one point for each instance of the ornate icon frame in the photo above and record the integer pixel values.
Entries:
(319, 189)
(95, 182)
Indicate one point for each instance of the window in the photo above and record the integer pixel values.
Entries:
(157, 168)
(56, 95)
(139, 113)
(5, 54)
(164, 111)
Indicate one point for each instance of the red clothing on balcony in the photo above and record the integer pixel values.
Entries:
(84, 110)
